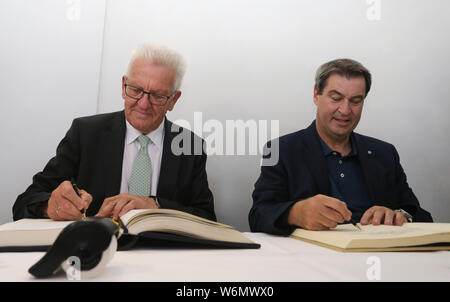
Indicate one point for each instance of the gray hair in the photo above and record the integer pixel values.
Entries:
(345, 67)
(160, 55)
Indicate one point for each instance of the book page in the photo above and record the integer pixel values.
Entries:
(31, 232)
(188, 228)
(348, 236)
(34, 224)
(134, 216)
(379, 231)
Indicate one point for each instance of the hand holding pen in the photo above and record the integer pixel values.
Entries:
(67, 202)
(319, 212)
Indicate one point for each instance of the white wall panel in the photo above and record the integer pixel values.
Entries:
(49, 74)
(251, 60)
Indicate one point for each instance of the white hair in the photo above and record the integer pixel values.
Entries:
(159, 55)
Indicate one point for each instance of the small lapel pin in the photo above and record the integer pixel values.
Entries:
(369, 152)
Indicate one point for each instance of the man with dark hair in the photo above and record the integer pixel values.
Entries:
(328, 174)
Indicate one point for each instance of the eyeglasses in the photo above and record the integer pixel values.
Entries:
(154, 98)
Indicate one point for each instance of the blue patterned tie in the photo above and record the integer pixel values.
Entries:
(141, 175)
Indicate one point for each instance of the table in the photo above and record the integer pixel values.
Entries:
(280, 259)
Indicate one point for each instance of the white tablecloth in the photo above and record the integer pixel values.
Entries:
(278, 259)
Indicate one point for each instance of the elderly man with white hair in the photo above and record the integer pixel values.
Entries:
(126, 160)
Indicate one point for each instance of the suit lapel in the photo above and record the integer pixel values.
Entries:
(113, 148)
(169, 161)
(315, 160)
(369, 166)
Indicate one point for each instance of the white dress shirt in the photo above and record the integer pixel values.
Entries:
(155, 148)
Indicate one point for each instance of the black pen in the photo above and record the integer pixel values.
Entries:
(75, 188)
(355, 224)
(352, 221)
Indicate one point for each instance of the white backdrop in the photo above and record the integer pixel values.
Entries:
(249, 60)
(49, 74)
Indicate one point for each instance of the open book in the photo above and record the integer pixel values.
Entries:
(177, 226)
(409, 237)
(159, 225)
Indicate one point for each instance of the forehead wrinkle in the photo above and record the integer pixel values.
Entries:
(141, 76)
(347, 87)
(335, 91)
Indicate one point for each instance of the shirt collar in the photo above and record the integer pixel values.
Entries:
(156, 136)
(327, 151)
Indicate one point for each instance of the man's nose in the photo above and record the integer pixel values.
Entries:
(144, 101)
(344, 107)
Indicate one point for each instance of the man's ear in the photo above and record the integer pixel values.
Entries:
(124, 78)
(174, 100)
(316, 96)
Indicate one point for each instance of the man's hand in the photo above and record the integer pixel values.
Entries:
(118, 205)
(319, 212)
(64, 203)
(377, 215)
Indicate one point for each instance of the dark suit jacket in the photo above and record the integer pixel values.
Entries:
(302, 172)
(92, 153)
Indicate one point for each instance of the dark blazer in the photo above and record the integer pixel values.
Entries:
(92, 153)
(302, 172)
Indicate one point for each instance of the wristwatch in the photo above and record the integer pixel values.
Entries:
(405, 214)
(156, 200)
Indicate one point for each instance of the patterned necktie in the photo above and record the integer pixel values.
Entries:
(141, 175)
